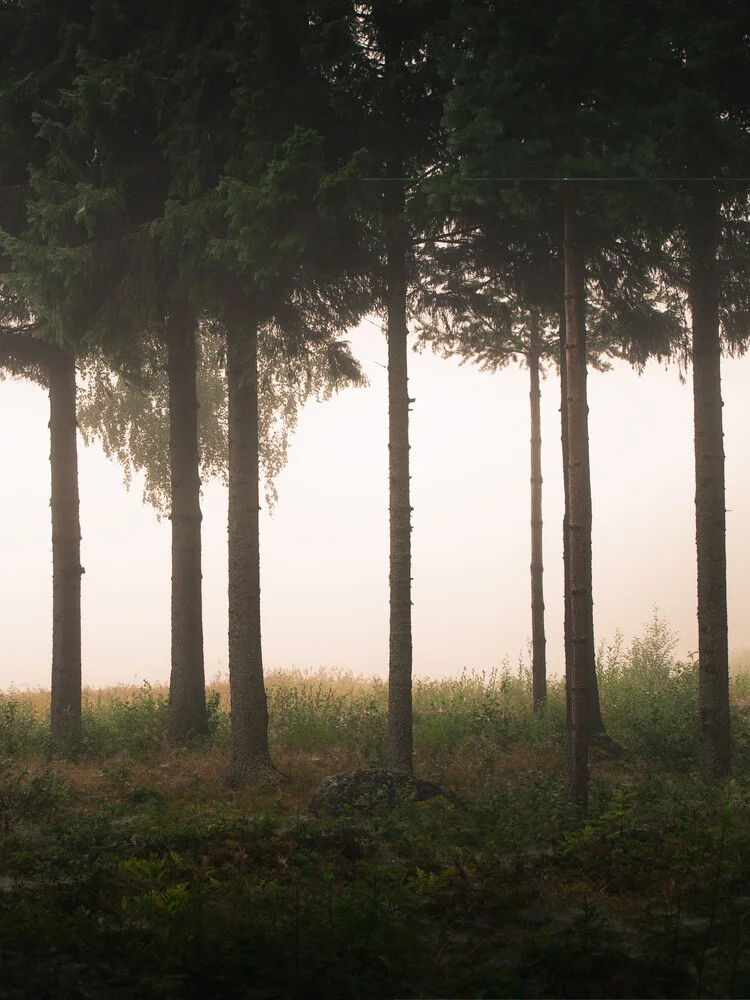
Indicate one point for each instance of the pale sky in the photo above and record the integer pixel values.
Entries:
(324, 552)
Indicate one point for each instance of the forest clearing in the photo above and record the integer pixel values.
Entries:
(199, 205)
(133, 871)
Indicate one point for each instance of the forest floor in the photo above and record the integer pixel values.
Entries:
(132, 871)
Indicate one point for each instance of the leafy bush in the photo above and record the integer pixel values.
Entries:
(649, 700)
(22, 731)
(136, 725)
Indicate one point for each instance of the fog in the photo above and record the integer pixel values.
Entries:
(324, 551)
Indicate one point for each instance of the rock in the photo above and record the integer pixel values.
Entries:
(365, 791)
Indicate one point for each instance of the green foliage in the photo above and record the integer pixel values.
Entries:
(483, 716)
(27, 798)
(22, 732)
(650, 701)
(135, 725)
(127, 412)
(506, 895)
(310, 717)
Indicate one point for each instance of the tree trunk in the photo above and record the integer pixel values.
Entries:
(538, 638)
(187, 686)
(250, 758)
(596, 729)
(595, 720)
(400, 738)
(65, 716)
(579, 527)
(710, 517)
(567, 627)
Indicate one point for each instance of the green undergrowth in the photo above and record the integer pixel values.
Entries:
(130, 871)
(124, 888)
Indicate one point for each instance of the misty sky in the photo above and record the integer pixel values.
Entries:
(324, 552)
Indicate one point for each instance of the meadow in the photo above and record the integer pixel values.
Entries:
(127, 870)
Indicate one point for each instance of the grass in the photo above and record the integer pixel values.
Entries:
(132, 872)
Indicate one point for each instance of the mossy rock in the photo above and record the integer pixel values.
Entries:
(366, 791)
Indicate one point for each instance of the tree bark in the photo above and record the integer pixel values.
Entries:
(710, 514)
(567, 626)
(582, 640)
(400, 736)
(187, 687)
(250, 757)
(595, 720)
(538, 638)
(596, 728)
(65, 716)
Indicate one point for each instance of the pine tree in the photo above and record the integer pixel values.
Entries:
(539, 99)
(36, 58)
(704, 142)
(88, 261)
(479, 319)
(395, 118)
(270, 264)
(489, 287)
(25, 355)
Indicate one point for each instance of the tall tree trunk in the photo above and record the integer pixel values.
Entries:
(579, 528)
(595, 721)
(400, 737)
(596, 729)
(187, 686)
(567, 626)
(65, 716)
(250, 758)
(710, 517)
(538, 638)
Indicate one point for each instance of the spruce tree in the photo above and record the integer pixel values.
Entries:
(36, 59)
(88, 261)
(271, 264)
(704, 144)
(544, 111)
(478, 319)
(391, 89)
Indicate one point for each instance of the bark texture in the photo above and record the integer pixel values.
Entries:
(567, 626)
(710, 514)
(250, 758)
(538, 638)
(579, 513)
(596, 729)
(187, 686)
(400, 739)
(65, 714)
(595, 720)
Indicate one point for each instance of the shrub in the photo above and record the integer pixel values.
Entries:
(22, 731)
(136, 724)
(649, 700)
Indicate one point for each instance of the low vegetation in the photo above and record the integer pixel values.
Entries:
(127, 871)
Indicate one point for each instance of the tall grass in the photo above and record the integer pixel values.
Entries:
(649, 703)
